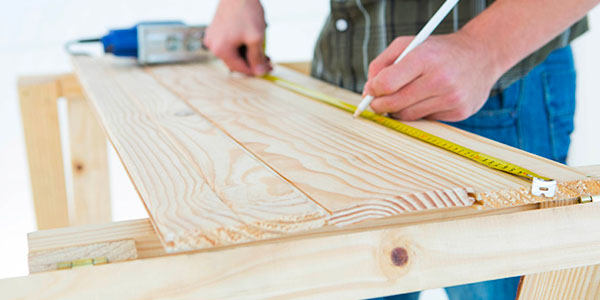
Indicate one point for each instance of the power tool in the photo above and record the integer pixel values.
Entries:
(153, 42)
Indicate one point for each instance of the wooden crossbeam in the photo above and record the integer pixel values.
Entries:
(69, 242)
(356, 264)
(140, 231)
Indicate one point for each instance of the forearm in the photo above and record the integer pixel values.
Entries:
(509, 30)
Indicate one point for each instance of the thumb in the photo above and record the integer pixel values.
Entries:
(257, 60)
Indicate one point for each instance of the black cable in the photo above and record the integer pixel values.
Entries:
(82, 41)
(94, 40)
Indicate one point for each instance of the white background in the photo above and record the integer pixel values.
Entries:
(32, 33)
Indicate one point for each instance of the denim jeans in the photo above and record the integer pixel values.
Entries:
(534, 114)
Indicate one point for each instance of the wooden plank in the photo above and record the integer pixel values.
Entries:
(39, 114)
(114, 251)
(355, 168)
(351, 171)
(568, 177)
(360, 264)
(148, 244)
(89, 159)
(201, 188)
(592, 171)
(573, 283)
(302, 67)
(141, 231)
(342, 171)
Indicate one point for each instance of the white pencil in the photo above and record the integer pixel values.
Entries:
(431, 25)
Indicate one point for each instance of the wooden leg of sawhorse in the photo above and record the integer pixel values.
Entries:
(575, 283)
(91, 203)
(39, 115)
(89, 162)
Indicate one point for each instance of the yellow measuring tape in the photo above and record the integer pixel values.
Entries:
(396, 125)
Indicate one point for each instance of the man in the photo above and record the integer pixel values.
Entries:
(501, 69)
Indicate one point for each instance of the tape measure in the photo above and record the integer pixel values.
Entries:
(540, 185)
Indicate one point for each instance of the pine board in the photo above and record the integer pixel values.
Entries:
(222, 159)
(359, 264)
(200, 188)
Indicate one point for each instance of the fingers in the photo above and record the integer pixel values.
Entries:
(441, 79)
(393, 78)
(434, 108)
(388, 56)
(257, 60)
(451, 115)
(414, 92)
(252, 62)
(419, 110)
(234, 61)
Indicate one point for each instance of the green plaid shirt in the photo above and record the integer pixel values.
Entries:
(357, 31)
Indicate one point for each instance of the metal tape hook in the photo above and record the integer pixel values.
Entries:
(543, 187)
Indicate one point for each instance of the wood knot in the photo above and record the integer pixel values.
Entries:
(78, 167)
(399, 256)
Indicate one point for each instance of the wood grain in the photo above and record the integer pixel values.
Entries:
(345, 165)
(189, 134)
(591, 171)
(39, 113)
(353, 265)
(89, 160)
(355, 168)
(114, 251)
(148, 244)
(200, 187)
(140, 231)
(302, 67)
(574, 283)
(581, 283)
(571, 181)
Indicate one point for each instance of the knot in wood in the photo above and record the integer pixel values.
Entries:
(399, 256)
(78, 167)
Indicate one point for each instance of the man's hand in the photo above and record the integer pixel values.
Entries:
(447, 77)
(239, 23)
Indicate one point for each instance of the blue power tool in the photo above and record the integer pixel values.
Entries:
(153, 42)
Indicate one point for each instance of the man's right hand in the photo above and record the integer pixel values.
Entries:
(239, 23)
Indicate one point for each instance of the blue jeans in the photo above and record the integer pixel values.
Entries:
(534, 114)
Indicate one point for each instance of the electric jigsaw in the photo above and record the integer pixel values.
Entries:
(153, 42)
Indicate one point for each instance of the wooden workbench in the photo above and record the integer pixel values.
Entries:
(254, 191)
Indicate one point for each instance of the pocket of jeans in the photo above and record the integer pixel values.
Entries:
(559, 95)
